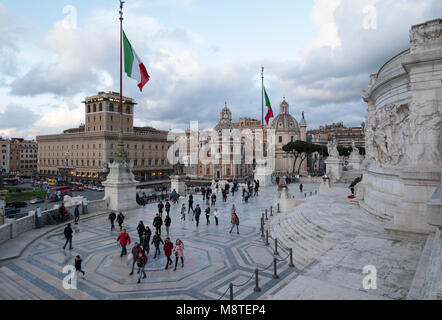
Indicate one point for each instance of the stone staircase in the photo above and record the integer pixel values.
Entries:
(294, 230)
(11, 289)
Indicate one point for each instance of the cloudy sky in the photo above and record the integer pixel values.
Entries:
(199, 53)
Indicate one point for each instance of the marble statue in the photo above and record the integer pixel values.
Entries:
(332, 148)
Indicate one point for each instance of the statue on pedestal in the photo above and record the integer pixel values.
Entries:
(332, 148)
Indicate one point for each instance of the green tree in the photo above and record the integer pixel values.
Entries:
(300, 149)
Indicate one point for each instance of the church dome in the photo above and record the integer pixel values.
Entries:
(284, 121)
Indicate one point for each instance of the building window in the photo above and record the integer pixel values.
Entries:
(135, 162)
(111, 108)
(128, 109)
(291, 138)
(111, 128)
(88, 108)
(100, 106)
(280, 139)
(95, 107)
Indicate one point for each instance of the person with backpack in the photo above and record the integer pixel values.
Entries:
(167, 206)
(134, 252)
(78, 264)
(112, 217)
(140, 229)
(167, 222)
(216, 215)
(68, 235)
(183, 212)
(160, 208)
(141, 259)
(120, 220)
(157, 223)
(207, 215)
(168, 246)
(156, 242)
(178, 248)
(197, 213)
(190, 204)
(235, 222)
(76, 214)
(123, 239)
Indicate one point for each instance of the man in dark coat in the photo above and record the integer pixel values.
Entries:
(197, 214)
(68, 235)
(157, 223)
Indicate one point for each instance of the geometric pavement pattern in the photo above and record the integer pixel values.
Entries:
(213, 258)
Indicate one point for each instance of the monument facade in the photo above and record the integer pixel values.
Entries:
(403, 131)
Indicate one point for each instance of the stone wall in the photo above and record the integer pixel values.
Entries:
(25, 224)
(5, 232)
(403, 130)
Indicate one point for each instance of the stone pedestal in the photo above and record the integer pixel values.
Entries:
(177, 183)
(334, 168)
(283, 201)
(262, 173)
(325, 185)
(120, 187)
(354, 163)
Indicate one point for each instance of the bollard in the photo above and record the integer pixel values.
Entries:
(266, 215)
(275, 275)
(276, 247)
(316, 192)
(257, 288)
(267, 237)
(278, 208)
(271, 211)
(231, 291)
(262, 227)
(310, 193)
(305, 195)
(291, 265)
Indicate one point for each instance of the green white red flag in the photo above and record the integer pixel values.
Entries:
(133, 66)
(269, 108)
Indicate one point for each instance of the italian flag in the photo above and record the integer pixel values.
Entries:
(133, 66)
(269, 108)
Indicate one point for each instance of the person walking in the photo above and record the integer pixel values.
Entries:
(183, 212)
(213, 199)
(160, 208)
(208, 215)
(120, 220)
(148, 234)
(235, 222)
(140, 229)
(216, 215)
(68, 235)
(168, 247)
(203, 193)
(76, 214)
(300, 187)
(233, 209)
(243, 193)
(190, 204)
(124, 240)
(197, 213)
(167, 222)
(112, 217)
(144, 244)
(157, 223)
(78, 264)
(141, 259)
(233, 190)
(156, 242)
(134, 252)
(178, 248)
(167, 206)
(62, 212)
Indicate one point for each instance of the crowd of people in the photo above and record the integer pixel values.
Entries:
(146, 237)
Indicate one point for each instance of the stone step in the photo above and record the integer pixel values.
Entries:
(11, 290)
(320, 229)
(306, 229)
(296, 234)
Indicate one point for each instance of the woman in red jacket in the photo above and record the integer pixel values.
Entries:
(123, 239)
(141, 263)
(168, 246)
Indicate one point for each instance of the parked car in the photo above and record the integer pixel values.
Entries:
(16, 204)
(36, 200)
(101, 189)
(11, 210)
